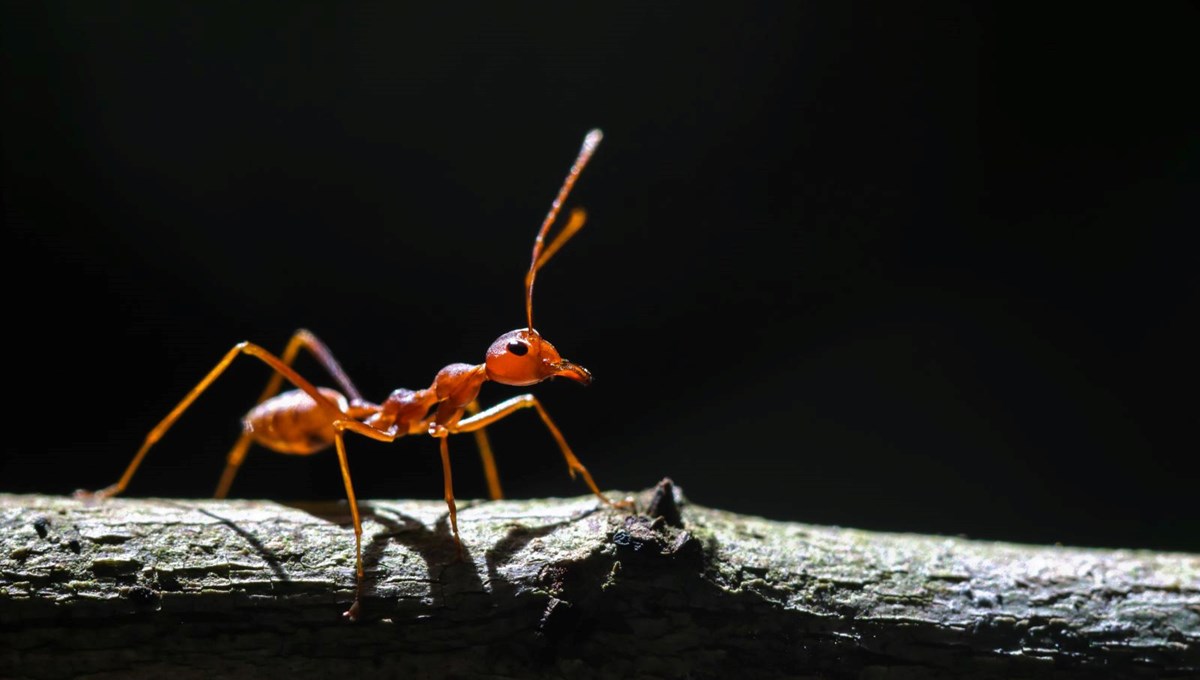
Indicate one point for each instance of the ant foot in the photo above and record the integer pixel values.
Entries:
(629, 503)
(88, 497)
(351, 614)
(93, 496)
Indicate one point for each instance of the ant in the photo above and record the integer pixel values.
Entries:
(308, 419)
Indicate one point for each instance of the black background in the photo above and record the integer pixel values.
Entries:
(916, 269)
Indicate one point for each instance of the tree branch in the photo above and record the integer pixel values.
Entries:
(561, 587)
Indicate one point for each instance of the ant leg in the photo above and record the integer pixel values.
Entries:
(379, 435)
(165, 424)
(340, 426)
(506, 408)
(343, 462)
(449, 484)
(233, 462)
(304, 338)
(485, 454)
(301, 338)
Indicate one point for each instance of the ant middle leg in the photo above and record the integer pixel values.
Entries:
(506, 408)
(486, 456)
(340, 427)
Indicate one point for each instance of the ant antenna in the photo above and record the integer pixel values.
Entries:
(576, 222)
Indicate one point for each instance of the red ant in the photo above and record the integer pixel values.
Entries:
(308, 419)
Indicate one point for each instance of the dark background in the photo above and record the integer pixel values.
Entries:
(916, 269)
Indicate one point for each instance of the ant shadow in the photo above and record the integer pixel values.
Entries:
(448, 573)
(263, 551)
(518, 536)
(450, 576)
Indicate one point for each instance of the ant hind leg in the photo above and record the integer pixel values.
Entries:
(165, 424)
(301, 338)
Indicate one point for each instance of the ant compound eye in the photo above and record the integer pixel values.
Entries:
(518, 348)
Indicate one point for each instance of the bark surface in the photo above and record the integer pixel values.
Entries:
(182, 589)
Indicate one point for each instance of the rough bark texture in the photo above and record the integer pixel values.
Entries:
(564, 588)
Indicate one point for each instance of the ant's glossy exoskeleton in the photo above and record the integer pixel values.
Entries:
(308, 419)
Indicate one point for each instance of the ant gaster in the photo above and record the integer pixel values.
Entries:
(308, 419)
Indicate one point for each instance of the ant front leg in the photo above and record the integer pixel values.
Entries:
(510, 406)
(165, 424)
(302, 338)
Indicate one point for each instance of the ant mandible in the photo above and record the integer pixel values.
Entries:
(308, 419)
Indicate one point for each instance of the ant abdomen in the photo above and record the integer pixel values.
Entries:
(293, 422)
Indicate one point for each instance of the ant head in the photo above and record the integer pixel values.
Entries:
(522, 357)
